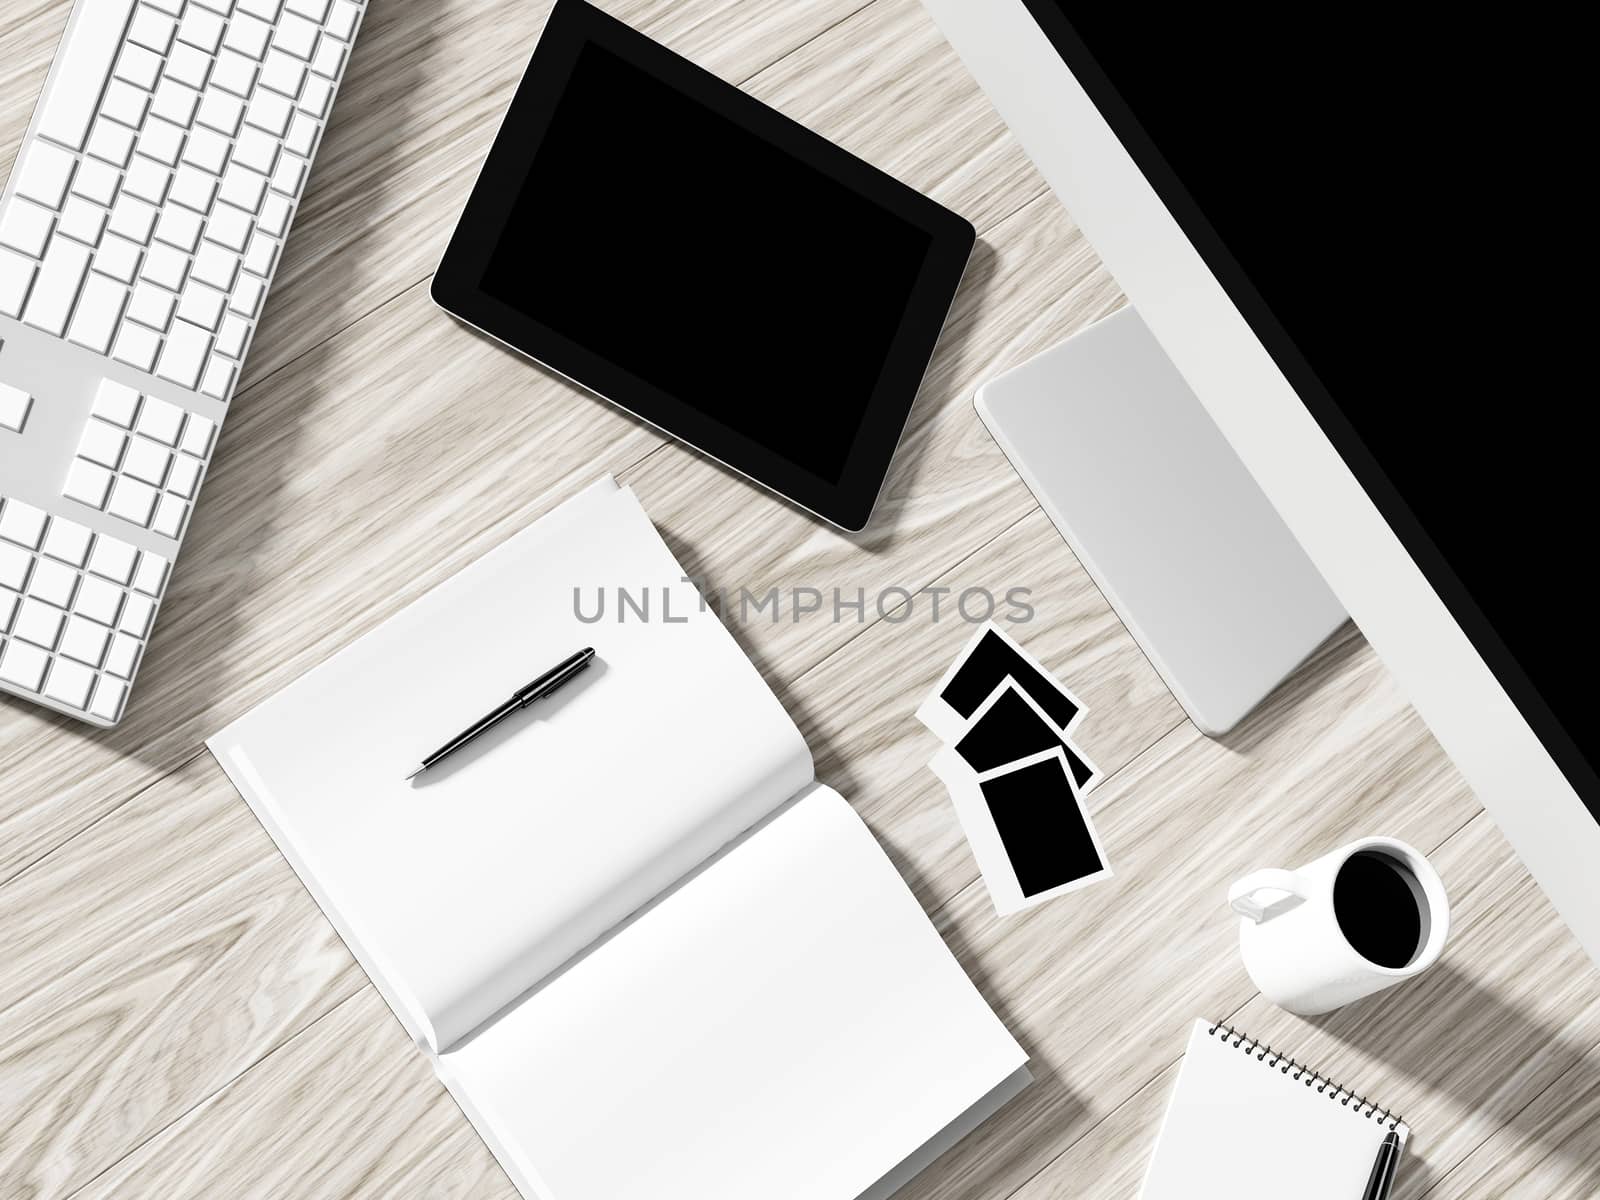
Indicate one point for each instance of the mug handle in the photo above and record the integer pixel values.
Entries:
(1242, 895)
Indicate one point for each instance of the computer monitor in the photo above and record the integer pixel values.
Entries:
(1324, 221)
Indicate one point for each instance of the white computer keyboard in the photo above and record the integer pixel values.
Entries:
(139, 231)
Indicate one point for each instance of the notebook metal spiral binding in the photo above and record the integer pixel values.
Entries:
(1341, 1093)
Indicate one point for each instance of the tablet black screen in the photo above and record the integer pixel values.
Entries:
(701, 259)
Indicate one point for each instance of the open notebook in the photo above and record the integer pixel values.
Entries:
(648, 953)
(1248, 1123)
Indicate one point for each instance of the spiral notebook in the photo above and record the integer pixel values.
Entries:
(1246, 1120)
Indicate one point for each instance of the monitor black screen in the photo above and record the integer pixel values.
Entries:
(1382, 200)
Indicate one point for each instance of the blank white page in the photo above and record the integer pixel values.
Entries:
(1239, 1127)
(461, 890)
(787, 1025)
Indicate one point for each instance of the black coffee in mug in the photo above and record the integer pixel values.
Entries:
(1380, 908)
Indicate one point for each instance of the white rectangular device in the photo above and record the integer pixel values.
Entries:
(139, 231)
(1164, 517)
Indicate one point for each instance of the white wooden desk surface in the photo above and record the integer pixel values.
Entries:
(178, 1019)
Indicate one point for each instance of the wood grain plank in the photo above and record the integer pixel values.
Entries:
(1101, 985)
(1548, 1151)
(856, 708)
(1509, 1013)
(349, 1109)
(192, 953)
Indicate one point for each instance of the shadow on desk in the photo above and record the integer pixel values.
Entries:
(1453, 1036)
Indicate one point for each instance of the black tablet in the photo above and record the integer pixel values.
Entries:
(684, 251)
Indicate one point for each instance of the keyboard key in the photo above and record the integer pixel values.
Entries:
(122, 654)
(221, 112)
(215, 265)
(113, 559)
(56, 290)
(118, 258)
(288, 175)
(87, 483)
(197, 435)
(16, 279)
(99, 309)
(14, 406)
(22, 523)
(179, 227)
(329, 59)
(202, 305)
(283, 73)
(207, 149)
(136, 346)
(188, 66)
(166, 266)
(176, 102)
(69, 683)
(96, 181)
(170, 511)
(125, 104)
(342, 20)
(111, 142)
(151, 305)
(171, 7)
(270, 112)
(248, 35)
(162, 141)
(193, 188)
(161, 419)
(200, 28)
(16, 564)
(82, 64)
(44, 174)
(109, 695)
(247, 296)
(311, 10)
(231, 337)
(139, 66)
(116, 402)
(185, 473)
(230, 227)
(301, 136)
(68, 541)
(9, 601)
(133, 219)
(53, 582)
(296, 36)
(99, 600)
(132, 501)
(82, 221)
(38, 622)
(147, 461)
(274, 218)
(243, 187)
(182, 358)
(26, 226)
(136, 613)
(85, 640)
(263, 252)
(234, 73)
(267, 10)
(218, 378)
(152, 573)
(314, 97)
(23, 665)
(152, 29)
(256, 150)
(220, 7)
(102, 443)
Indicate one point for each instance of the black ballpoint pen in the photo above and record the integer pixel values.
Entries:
(1382, 1177)
(552, 680)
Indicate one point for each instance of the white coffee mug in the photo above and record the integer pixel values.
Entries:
(1291, 939)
